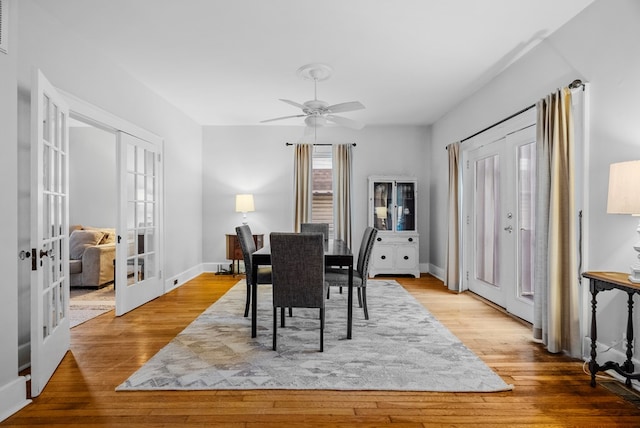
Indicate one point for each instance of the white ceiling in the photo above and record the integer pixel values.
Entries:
(227, 62)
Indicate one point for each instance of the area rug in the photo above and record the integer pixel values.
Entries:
(402, 347)
(86, 304)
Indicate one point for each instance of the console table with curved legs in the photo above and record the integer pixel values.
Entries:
(602, 281)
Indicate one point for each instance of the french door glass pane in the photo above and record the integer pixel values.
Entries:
(526, 216)
(487, 203)
(406, 206)
(383, 205)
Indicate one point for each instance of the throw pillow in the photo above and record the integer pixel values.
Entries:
(80, 240)
(109, 236)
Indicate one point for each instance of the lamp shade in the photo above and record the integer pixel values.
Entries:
(624, 188)
(381, 212)
(244, 203)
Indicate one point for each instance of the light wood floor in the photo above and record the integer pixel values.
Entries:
(550, 391)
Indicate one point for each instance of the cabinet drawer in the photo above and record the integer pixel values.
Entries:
(382, 256)
(407, 257)
(397, 240)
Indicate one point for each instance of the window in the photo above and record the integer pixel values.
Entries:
(322, 195)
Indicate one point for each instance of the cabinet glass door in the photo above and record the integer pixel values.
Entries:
(382, 205)
(405, 205)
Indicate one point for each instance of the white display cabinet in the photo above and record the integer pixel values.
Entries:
(393, 211)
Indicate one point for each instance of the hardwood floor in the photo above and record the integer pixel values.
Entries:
(550, 390)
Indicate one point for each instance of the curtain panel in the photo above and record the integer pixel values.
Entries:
(342, 192)
(452, 266)
(556, 303)
(303, 183)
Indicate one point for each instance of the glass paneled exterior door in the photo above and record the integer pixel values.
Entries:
(499, 214)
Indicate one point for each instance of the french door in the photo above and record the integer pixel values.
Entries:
(50, 336)
(138, 261)
(499, 212)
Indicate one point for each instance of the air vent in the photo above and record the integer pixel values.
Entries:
(4, 16)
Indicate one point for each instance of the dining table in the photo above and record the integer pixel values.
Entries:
(336, 253)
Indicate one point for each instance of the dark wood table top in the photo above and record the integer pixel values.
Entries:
(334, 250)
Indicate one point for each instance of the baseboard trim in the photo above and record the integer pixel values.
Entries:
(177, 280)
(13, 397)
(436, 271)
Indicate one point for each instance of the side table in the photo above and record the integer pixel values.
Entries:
(234, 251)
(602, 281)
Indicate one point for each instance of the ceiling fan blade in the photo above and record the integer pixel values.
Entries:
(343, 121)
(293, 103)
(342, 107)
(283, 117)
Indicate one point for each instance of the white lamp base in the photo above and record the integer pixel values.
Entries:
(635, 270)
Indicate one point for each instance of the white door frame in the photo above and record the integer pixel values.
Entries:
(474, 144)
(95, 116)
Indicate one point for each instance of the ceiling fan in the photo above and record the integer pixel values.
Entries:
(317, 112)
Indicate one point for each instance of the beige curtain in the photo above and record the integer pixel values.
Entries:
(452, 266)
(342, 192)
(556, 305)
(303, 183)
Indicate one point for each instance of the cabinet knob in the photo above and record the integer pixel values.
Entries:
(410, 239)
(383, 257)
(379, 239)
(406, 257)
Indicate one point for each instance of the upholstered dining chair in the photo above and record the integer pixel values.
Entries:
(315, 228)
(248, 246)
(340, 277)
(297, 262)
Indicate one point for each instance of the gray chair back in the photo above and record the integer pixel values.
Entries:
(315, 228)
(297, 266)
(366, 248)
(248, 246)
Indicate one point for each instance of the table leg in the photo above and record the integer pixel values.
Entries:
(628, 365)
(593, 366)
(254, 300)
(350, 302)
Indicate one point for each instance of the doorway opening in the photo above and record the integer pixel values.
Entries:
(93, 194)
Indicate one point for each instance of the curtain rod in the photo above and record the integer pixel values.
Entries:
(573, 85)
(317, 144)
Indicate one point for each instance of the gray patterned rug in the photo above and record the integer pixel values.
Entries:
(402, 347)
(86, 304)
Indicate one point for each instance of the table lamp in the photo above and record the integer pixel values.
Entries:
(381, 213)
(244, 204)
(624, 198)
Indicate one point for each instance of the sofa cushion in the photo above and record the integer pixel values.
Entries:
(80, 240)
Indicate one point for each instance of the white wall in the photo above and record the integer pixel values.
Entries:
(254, 159)
(81, 70)
(92, 177)
(12, 387)
(599, 46)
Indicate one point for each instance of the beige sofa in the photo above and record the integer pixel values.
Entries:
(91, 253)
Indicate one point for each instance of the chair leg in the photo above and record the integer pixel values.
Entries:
(364, 302)
(275, 326)
(328, 288)
(321, 329)
(290, 312)
(246, 306)
(359, 297)
(282, 317)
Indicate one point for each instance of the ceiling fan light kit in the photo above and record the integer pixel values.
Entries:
(317, 112)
